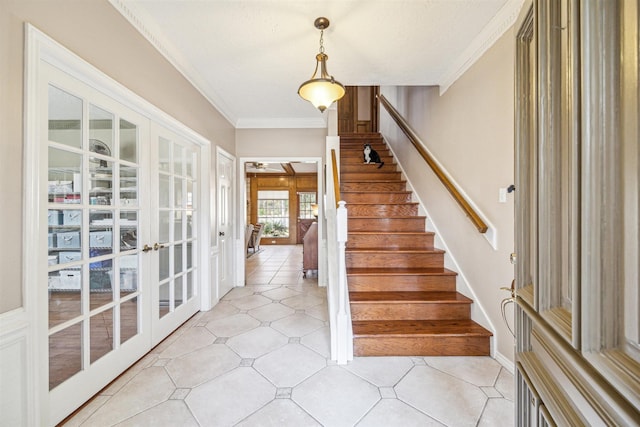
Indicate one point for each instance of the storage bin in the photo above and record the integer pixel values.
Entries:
(53, 259)
(68, 240)
(60, 187)
(129, 261)
(100, 239)
(72, 218)
(54, 217)
(65, 257)
(54, 282)
(128, 280)
(51, 240)
(72, 198)
(70, 279)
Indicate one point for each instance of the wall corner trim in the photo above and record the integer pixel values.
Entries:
(500, 23)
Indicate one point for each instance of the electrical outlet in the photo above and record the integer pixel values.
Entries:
(502, 195)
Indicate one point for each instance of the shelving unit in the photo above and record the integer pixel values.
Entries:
(97, 211)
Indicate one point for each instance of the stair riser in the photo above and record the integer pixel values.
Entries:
(359, 146)
(389, 241)
(364, 167)
(421, 346)
(386, 224)
(354, 160)
(362, 136)
(359, 160)
(362, 197)
(358, 153)
(409, 311)
(394, 260)
(365, 176)
(401, 283)
(372, 186)
(382, 210)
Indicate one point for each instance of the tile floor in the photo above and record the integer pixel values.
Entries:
(261, 358)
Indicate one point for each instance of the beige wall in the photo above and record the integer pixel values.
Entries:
(470, 131)
(280, 142)
(96, 32)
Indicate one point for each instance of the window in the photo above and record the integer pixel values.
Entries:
(273, 212)
(307, 207)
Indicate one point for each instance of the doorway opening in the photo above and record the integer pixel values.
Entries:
(281, 198)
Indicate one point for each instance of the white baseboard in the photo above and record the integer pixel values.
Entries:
(505, 361)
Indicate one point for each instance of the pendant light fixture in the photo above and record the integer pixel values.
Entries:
(324, 90)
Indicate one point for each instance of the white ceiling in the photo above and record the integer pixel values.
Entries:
(249, 57)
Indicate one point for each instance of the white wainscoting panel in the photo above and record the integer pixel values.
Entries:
(14, 377)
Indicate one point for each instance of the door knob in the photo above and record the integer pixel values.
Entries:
(157, 246)
(221, 233)
(146, 248)
(512, 258)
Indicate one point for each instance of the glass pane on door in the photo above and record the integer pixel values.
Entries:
(65, 354)
(65, 118)
(129, 319)
(101, 136)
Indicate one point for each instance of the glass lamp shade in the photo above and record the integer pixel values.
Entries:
(324, 90)
(321, 92)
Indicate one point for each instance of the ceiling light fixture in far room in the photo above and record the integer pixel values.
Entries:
(324, 90)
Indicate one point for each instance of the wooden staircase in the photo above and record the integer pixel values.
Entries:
(403, 301)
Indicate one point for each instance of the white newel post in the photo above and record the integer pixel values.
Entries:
(343, 320)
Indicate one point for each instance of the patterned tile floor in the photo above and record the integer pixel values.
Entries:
(261, 358)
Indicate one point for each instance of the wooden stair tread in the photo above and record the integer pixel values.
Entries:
(381, 271)
(360, 135)
(392, 217)
(413, 296)
(376, 192)
(369, 181)
(395, 251)
(381, 203)
(415, 234)
(413, 328)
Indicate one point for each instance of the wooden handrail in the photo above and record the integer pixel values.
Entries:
(336, 182)
(415, 140)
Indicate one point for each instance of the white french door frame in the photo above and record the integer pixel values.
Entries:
(28, 321)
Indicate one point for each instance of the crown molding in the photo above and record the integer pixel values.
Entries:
(136, 17)
(282, 123)
(500, 23)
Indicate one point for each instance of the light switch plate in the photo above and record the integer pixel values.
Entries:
(502, 195)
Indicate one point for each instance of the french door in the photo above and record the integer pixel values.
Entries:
(95, 293)
(120, 203)
(174, 234)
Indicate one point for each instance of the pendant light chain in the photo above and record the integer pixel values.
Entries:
(322, 90)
